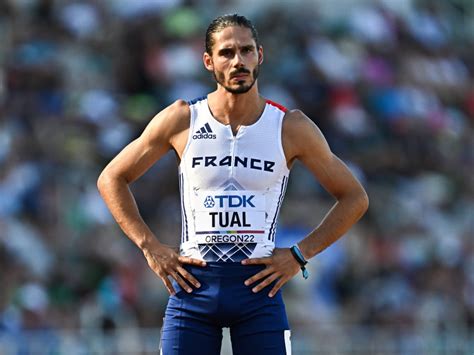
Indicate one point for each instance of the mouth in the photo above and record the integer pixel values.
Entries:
(240, 76)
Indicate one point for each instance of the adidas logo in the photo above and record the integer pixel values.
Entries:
(205, 132)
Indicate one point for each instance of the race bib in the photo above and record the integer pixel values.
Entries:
(229, 216)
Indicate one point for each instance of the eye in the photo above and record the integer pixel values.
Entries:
(226, 52)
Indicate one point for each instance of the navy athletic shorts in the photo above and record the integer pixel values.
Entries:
(193, 321)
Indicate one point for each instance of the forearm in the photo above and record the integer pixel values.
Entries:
(121, 203)
(345, 213)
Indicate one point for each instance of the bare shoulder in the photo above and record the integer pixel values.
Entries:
(180, 110)
(170, 122)
(295, 115)
(173, 118)
(296, 122)
(300, 135)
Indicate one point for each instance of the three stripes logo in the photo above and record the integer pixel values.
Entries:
(205, 132)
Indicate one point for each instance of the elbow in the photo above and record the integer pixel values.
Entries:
(105, 180)
(363, 202)
(356, 201)
(102, 181)
(108, 180)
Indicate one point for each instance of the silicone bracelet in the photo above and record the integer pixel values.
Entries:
(296, 252)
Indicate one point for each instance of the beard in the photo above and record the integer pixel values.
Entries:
(242, 88)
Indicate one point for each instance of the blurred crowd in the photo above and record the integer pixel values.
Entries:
(390, 84)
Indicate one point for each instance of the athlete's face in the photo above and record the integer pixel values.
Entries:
(235, 59)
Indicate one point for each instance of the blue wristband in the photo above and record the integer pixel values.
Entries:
(300, 259)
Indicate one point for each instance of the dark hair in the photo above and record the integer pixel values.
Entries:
(221, 22)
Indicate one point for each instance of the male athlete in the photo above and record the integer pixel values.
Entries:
(235, 151)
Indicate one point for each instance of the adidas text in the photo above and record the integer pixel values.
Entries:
(204, 136)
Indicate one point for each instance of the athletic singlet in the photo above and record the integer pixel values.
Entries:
(231, 187)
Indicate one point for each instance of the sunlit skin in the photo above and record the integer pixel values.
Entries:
(234, 63)
(235, 60)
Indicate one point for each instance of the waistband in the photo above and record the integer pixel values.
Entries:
(226, 269)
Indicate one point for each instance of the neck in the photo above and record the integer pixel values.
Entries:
(237, 109)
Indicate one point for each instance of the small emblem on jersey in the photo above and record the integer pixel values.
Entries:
(205, 132)
(209, 202)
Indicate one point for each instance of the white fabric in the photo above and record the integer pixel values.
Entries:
(288, 342)
(231, 186)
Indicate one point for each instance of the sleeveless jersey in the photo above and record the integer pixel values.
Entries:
(231, 186)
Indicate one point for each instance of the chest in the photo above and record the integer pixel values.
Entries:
(251, 159)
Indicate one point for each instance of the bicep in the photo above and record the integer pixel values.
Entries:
(136, 158)
(155, 141)
(332, 173)
(309, 146)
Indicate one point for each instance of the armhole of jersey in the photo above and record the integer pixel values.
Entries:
(280, 140)
(190, 133)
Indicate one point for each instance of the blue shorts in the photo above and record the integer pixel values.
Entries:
(193, 321)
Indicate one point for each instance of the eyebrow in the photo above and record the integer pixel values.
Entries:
(247, 46)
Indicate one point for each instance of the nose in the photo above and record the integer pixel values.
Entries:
(238, 60)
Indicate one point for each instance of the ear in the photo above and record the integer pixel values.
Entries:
(207, 60)
(260, 55)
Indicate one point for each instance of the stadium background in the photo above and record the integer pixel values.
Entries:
(390, 83)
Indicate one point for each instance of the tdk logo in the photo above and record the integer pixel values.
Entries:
(204, 133)
(231, 201)
(209, 202)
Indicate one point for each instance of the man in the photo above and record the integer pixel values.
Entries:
(235, 150)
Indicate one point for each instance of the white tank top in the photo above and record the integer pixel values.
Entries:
(232, 187)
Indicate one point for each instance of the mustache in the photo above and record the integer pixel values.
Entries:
(239, 71)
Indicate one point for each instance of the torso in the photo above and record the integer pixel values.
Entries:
(232, 185)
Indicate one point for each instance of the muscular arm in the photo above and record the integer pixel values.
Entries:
(167, 130)
(303, 140)
(132, 162)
